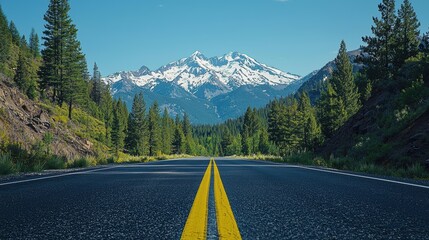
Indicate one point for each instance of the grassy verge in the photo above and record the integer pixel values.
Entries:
(415, 171)
(17, 160)
(126, 158)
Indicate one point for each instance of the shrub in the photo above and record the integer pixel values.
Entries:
(416, 171)
(6, 164)
(55, 162)
(79, 163)
(110, 160)
(301, 158)
(102, 161)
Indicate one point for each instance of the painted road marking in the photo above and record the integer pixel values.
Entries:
(362, 176)
(56, 176)
(333, 171)
(226, 224)
(196, 225)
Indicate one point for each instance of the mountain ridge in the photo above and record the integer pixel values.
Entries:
(225, 84)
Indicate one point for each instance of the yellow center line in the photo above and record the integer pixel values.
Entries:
(226, 224)
(196, 224)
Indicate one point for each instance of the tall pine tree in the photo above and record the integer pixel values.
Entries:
(56, 55)
(378, 55)
(106, 107)
(407, 34)
(34, 44)
(73, 88)
(332, 113)
(96, 85)
(137, 140)
(120, 125)
(343, 82)
(311, 133)
(154, 130)
(16, 37)
(179, 140)
(5, 43)
(166, 126)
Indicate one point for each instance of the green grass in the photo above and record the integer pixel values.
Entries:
(126, 158)
(262, 157)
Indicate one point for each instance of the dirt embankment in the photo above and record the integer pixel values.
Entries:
(25, 122)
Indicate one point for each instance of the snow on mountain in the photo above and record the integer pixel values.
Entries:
(209, 90)
(208, 77)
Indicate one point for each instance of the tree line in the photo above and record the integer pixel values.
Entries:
(59, 74)
(394, 58)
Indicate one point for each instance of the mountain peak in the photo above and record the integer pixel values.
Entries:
(144, 70)
(197, 54)
(218, 74)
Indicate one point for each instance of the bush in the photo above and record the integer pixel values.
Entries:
(305, 158)
(55, 162)
(79, 163)
(6, 164)
(110, 160)
(102, 161)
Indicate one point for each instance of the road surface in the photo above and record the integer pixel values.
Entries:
(264, 200)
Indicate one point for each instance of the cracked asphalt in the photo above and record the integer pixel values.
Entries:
(269, 201)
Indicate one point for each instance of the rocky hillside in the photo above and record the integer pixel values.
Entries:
(26, 122)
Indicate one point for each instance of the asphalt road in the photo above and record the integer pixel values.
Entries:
(269, 201)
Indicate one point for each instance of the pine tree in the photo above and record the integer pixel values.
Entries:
(407, 37)
(34, 44)
(343, 81)
(154, 130)
(290, 127)
(166, 125)
(226, 142)
(424, 48)
(106, 107)
(378, 55)
(264, 144)
(246, 132)
(73, 89)
(119, 127)
(16, 37)
(5, 42)
(96, 85)
(331, 110)
(137, 140)
(25, 78)
(23, 43)
(59, 41)
(21, 74)
(311, 132)
(178, 138)
(274, 120)
(187, 131)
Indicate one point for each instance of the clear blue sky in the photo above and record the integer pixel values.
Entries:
(297, 36)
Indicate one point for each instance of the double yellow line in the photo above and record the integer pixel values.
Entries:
(196, 225)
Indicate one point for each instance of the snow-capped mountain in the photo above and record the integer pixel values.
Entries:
(235, 80)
